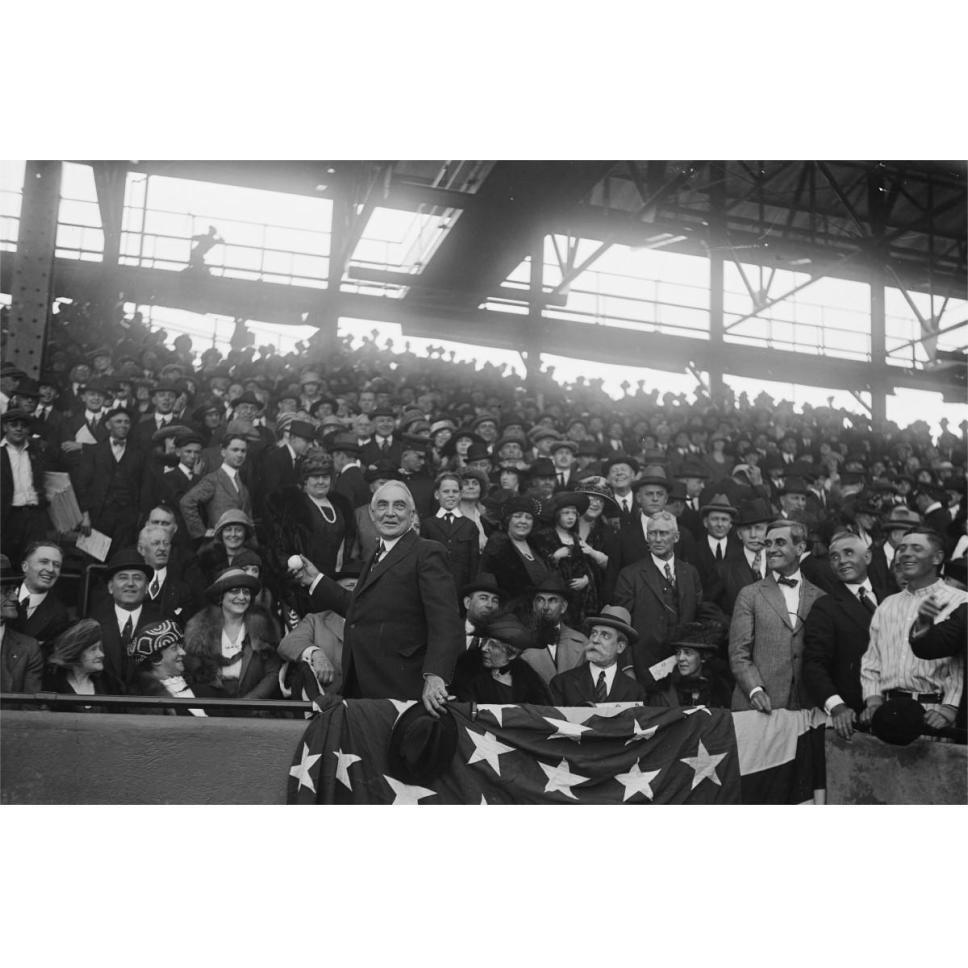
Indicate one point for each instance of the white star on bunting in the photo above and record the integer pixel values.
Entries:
(566, 730)
(343, 764)
(487, 749)
(401, 706)
(483, 802)
(301, 772)
(496, 710)
(696, 709)
(635, 781)
(561, 779)
(704, 765)
(407, 795)
(640, 733)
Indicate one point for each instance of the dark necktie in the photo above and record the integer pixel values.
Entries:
(449, 517)
(866, 600)
(92, 425)
(561, 478)
(381, 550)
(385, 445)
(719, 551)
(155, 587)
(126, 634)
(758, 564)
(789, 582)
(601, 690)
(670, 578)
(475, 642)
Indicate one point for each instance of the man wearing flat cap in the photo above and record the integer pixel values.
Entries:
(600, 677)
(108, 483)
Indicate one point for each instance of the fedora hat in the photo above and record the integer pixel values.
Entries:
(231, 578)
(421, 746)
(543, 467)
(900, 517)
(566, 444)
(691, 467)
(719, 502)
(346, 443)
(652, 474)
(757, 511)
(616, 617)
(552, 584)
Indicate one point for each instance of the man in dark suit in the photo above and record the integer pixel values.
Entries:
(23, 518)
(455, 532)
(277, 464)
(403, 631)
(750, 565)
(717, 544)
(21, 661)
(766, 632)
(693, 474)
(350, 481)
(40, 613)
(837, 632)
(163, 398)
(84, 427)
(383, 445)
(413, 461)
(660, 591)
(108, 482)
(600, 678)
(169, 596)
(49, 420)
(126, 613)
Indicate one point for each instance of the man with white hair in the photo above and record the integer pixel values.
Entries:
(661, 591)
(403, 631)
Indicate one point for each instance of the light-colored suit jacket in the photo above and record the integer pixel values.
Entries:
(209, 499)
(324, 630)
(570, 653)
(764, 649)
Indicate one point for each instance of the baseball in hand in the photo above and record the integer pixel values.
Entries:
(294, 562)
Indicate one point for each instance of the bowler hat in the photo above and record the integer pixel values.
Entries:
(483, 583)
(898, 721)
(128, 559)
(793, 485)
(477, 452)
(153, 638)
(543, 467)
(552, 584)
(616, 617)
(421, 746)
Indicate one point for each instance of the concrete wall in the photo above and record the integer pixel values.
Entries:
(90, 758)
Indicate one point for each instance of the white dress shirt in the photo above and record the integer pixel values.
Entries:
(661, 563)
(122, 615)
(715, 543)
(24, 492)
(33, 599)
(791, 595)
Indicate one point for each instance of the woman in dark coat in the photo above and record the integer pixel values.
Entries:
(495, 673)
(510, 556)
(598, 539)
(230, 644)
(701, 677)
(77, 667)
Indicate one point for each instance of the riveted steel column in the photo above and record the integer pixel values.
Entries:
(717, 233)
(34, 266)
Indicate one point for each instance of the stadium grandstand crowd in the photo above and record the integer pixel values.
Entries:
(716, 550)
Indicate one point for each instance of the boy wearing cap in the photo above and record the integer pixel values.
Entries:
(600, 678)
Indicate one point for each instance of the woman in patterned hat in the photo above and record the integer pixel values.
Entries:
(231, 646)
(159, 651)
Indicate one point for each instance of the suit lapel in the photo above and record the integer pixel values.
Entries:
(771, 592)
(654, 581)
(396, 554)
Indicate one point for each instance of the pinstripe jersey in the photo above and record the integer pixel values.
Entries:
(889, 662)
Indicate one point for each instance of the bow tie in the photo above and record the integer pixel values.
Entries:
(789, 582)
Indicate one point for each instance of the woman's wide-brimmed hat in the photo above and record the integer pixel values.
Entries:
(72, 642)
(566, 499)
(231, 578)
(508, 629)
(598, 487)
